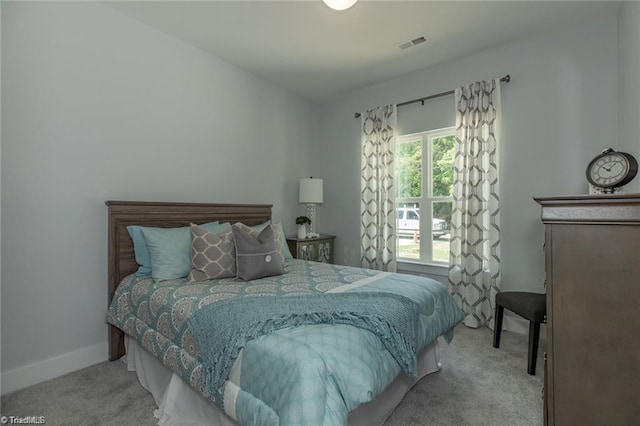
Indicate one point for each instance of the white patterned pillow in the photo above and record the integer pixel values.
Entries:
(213, 256)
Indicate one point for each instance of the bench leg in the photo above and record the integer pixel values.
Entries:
(534, 337)
(497, 326)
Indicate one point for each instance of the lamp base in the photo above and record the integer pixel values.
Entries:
(311, 214)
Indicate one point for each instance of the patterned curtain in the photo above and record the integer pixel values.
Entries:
(377, 207)
(474, 262)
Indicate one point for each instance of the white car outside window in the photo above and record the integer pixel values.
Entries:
(409, 223)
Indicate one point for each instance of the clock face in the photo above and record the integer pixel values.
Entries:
(608, 170)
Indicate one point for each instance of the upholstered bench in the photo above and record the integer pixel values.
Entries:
(532, 306)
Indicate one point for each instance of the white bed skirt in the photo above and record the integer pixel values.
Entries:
(179, 404)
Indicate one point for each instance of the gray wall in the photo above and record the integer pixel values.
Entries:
(97, 106)
(559, 111)
(629, 83)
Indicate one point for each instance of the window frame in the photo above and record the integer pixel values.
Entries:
(427, 199)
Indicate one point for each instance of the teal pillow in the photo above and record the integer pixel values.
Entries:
(140, 250)
(170, 249)
(284, 247)
(282, 240)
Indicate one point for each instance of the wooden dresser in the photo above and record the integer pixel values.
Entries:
(592, 256)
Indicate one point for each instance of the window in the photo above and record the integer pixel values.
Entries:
(424, 184)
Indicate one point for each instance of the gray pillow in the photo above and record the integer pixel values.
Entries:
(278, 235)
(257, 256)
(213, 256)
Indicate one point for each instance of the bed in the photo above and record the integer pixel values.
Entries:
(337, 364)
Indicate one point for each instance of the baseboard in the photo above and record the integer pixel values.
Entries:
(41, 371)
(517, 324)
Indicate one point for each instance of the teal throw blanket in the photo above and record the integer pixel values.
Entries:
(224, 327)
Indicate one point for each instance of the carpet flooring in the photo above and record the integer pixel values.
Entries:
(477, 385)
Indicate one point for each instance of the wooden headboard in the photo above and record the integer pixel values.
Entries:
(122, 260)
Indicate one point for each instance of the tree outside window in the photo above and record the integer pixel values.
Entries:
(424, 184)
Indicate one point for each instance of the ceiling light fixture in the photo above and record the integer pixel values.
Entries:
(339, 4)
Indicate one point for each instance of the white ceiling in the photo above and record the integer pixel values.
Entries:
(319, 53)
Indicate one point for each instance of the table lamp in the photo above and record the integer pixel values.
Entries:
(311, 194)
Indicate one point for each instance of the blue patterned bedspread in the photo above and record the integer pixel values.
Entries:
(310, 374)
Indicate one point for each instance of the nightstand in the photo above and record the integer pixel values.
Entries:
(317, 249)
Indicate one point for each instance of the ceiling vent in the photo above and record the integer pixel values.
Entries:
(413, 43)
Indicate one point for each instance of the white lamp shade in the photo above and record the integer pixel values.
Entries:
(339, 4)
(310, 191)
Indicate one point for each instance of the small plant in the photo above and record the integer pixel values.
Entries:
(302, 220)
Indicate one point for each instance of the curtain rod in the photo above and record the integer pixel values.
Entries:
(505, 79)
